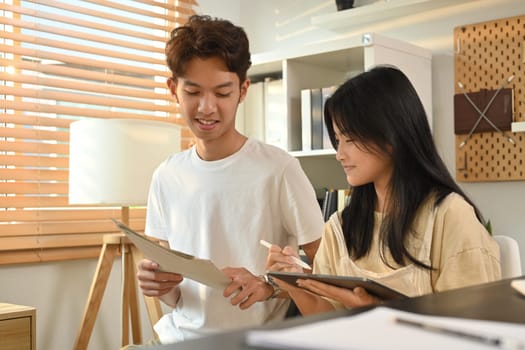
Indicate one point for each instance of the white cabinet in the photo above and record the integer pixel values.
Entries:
(325, 64)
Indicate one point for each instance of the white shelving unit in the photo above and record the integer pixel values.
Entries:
(379, 11)
(331, 63)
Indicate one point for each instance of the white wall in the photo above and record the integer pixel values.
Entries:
(59, 290)
(228, 9)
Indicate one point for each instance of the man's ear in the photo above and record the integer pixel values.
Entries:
(244, 90)
(172, 86)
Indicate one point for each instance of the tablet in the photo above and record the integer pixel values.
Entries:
(371, 286)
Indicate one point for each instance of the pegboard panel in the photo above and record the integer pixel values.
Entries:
(486, 56)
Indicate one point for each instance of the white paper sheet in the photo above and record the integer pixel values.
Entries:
(200, 270)
(377, 329)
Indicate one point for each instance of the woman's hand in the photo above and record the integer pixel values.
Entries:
(281, 259)
(349, 298)
(245, 289)
(307, 302)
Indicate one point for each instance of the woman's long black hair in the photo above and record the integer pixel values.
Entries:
(380, 108)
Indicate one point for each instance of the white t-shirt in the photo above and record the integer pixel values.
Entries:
(219, 210)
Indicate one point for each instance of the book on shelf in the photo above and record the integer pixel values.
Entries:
(275, 114)
(316, 110)
(281, 128)
(329, 203)
(306, 119)
(334, 200)
(253, 111)
(326, 92)
(263, 115)
(314, 133)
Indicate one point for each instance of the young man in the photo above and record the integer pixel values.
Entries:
(219, 198)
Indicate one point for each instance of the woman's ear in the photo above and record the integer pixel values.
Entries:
(244, 90)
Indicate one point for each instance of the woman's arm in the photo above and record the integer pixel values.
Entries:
(462, 249)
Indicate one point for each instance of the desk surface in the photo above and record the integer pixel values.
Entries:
(496, 301)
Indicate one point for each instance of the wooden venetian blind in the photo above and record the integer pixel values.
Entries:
(61, 61)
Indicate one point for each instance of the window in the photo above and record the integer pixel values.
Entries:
(61, 61)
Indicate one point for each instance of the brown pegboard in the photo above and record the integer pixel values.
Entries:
(487, 54)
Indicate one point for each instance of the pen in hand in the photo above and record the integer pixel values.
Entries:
(295, 259)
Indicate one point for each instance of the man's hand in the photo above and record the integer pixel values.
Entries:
(245, 288)
(155, 283)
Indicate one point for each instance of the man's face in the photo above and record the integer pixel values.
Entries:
(208, 95)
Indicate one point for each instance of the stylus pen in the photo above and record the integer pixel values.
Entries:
(296, 259)
(504, 343)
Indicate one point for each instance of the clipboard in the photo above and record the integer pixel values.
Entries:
(350, 282)
(201, 270)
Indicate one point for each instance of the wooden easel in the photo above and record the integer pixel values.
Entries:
(112, 245)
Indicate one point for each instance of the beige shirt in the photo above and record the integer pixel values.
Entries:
(449, 237)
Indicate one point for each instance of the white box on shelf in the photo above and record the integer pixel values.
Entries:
(277, 128)
(250, 114)
(306, 119)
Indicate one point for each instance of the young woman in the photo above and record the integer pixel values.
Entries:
(408, 224)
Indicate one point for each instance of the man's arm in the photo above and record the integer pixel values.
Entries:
(311, 248)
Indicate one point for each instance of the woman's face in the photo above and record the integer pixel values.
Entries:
(363, 164)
